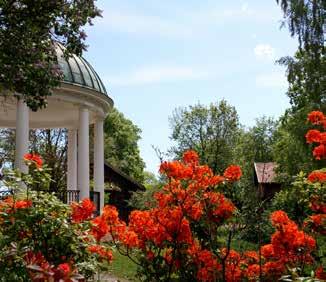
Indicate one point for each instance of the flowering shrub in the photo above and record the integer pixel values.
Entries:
(42, 239)
(178, 237)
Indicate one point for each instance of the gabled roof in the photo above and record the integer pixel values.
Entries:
(115, 175)
(265, 172)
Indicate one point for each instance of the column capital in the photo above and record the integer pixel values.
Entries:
(99, 118)
(83, 107)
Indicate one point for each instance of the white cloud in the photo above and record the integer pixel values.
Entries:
(271, 80)
(264, 51)
(158, 74)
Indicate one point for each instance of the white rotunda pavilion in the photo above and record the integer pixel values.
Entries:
(81, 100)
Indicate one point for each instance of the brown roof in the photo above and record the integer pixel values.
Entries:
(116, 175)
(265, 172)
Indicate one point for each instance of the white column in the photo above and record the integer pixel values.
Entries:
(83, 153)
(22, 135)
(99, 160)
(72, 160)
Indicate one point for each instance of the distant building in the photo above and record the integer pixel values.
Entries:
(265, 179)
(119, 187)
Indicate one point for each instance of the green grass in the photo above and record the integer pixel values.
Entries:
(123, 267)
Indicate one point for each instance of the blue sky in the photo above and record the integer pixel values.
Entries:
(154, 56)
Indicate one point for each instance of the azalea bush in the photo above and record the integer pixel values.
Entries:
(43, 239)
(179, 237)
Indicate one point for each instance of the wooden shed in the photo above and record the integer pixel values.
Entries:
(265, 179)
(120, 187)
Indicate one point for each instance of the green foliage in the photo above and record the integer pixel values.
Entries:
(51, 144)
(142, 200)
(209, 130)
(290, 148)
(296, 199)
(307, 80)
(306, 71)
(121, 145)
(28, 63)
(306, 74)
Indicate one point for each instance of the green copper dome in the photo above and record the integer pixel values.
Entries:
(78, 71)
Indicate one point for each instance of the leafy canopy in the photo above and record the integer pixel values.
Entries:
(28, 63)
(121, 145)
(210, 130)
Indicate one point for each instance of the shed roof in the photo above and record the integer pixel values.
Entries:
(117, 176)
(265, 172)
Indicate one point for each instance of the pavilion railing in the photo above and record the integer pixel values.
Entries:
(5, 194)
(67, 196)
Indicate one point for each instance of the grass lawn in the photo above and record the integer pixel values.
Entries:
(123, 267)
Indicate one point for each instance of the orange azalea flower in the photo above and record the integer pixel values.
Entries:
(9, 203)
(99, 228)
(313, 136)
(273, 269)
(317, 176)
(64, 268)
(34, 158)
(320, 152)
(23, 204)
(82, 211)
(323, 138)
(253, 272)
(316, 117)
(110, 214)
(279, 218)
(233, 173)
(190, 157)
(251, 257)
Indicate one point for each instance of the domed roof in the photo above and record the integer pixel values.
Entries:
(78, 71)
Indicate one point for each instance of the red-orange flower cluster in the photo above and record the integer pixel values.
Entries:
(10, 203)
(191, 157)
(62, 272)
(233, 173)
(315, 136)
(288, 246)
(317, 118)
(35, 159)
(82, 211)
(317, 176)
